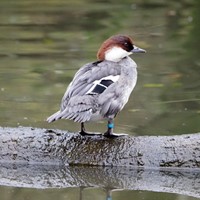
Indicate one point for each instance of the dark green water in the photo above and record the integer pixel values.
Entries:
(85, 194)
(43, 44)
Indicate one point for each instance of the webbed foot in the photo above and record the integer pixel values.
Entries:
(113, 135)
(83, 133)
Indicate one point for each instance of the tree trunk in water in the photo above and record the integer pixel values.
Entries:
(41, 146)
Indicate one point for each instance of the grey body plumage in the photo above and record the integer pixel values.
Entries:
(79, 105)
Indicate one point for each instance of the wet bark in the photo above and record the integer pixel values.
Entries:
(33, 145)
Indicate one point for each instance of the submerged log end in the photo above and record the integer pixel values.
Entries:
(35, 145)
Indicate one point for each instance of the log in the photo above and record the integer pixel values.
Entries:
(28, 145)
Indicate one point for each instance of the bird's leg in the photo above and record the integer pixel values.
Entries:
(83, 132)
(109, 133)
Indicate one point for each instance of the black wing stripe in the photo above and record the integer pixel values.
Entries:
(99, 88)
(106, 82)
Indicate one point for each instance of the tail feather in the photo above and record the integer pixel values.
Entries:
(78, 109)
(77, 117)
(54, 117)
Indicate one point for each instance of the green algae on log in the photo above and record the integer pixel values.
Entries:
(41, 146)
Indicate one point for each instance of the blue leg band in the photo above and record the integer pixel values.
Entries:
(111, 125)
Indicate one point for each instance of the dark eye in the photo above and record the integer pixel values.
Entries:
(128, 46)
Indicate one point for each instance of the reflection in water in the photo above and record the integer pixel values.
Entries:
(100, 180)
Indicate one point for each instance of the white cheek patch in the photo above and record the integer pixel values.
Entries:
(115, 54)
(100, 85)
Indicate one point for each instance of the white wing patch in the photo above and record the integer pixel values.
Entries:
(112, 78)
(100, 85)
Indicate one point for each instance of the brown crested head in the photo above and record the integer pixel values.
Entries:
(122, 41)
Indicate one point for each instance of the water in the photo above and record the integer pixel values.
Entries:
(43, 44)
(97, 183)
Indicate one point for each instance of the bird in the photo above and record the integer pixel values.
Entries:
(100, 89)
